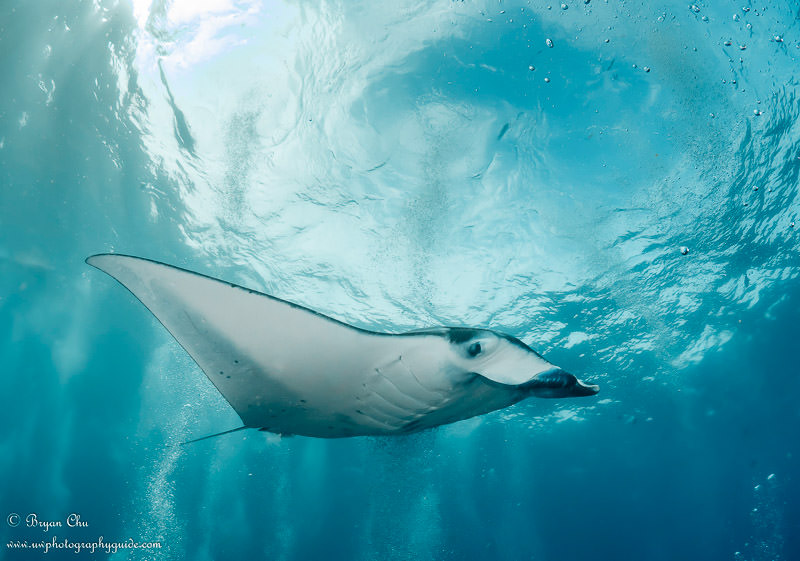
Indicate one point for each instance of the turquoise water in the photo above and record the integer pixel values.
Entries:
(401, 165)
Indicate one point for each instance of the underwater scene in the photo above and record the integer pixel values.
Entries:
(585, 214)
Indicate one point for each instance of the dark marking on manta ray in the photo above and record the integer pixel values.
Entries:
(460, 335)
(503, 131)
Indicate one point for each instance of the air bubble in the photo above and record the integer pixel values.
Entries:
(549, 42)
(564, 6)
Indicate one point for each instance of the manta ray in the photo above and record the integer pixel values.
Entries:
(290, 370)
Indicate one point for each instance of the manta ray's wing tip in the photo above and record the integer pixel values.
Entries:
(98, 260)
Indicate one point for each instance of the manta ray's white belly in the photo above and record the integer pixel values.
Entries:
(409, 388)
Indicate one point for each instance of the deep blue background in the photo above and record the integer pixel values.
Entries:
(567, 221)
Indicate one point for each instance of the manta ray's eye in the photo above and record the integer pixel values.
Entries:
(474, 349)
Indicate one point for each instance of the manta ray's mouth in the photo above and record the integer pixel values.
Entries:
(583, 389)
(559, 383)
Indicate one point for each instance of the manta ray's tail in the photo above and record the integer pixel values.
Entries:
(213, 435)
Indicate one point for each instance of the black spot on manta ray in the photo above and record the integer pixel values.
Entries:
(503, 131)
(461, 334)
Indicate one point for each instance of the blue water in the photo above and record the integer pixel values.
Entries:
(399, 165)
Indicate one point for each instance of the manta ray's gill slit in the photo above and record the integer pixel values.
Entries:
(389, 409)
(380, 419)
(429, 395)
(439, 393)
(415, 401)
